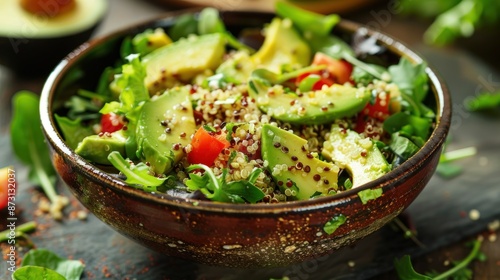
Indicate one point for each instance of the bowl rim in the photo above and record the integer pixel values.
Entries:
(437, 86)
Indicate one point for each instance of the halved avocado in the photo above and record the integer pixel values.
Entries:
(35, 43)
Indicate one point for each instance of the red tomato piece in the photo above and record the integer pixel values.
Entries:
(111, 122)
(206, 147)
(380, 108)
(340, 70)
(4, 186)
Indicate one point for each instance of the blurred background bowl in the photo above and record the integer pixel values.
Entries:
(232, 235)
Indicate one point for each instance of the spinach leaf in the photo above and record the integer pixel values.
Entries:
(28, 142)
(69, 269)
(405, 269)
(410, 79)
(459, 270)
(483, 102)
(369, 194)
(30, 272)
(184, 26)
(334, 223)
(137, 174)
(402, 146)
(73, 131)
(306, 20)
(420, 126)
(81, 108)
(209, 21)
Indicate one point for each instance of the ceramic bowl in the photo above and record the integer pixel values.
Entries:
(232, 235)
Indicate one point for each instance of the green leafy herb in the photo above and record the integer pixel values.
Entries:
(369, 194)
(209, 21)
(133, 94)
(415, 126)
(405, 270)
(483, 102)
(334, 223)
(218, 189)
(446, 168)
(81, 108)
(454, 18)
(184, 26)
(30, 148)
(402, 146)
(305, 19)
(137, 174)
(411, 79)
(73, 131)
(69, 269)
(36, 272)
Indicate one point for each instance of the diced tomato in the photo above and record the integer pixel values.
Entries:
(206, 147)
(5, 185)
(320, 79)
(373, 115)
(339, 69)
(378, 109)
(111, 122)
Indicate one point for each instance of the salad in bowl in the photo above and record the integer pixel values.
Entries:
(245, 139)
(202, 113)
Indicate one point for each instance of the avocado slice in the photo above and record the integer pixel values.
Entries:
(96, 148)
(272, 55)
(358, 155)
(298, 173)
(164, 127)
(282, 46)
(313, 107)
(183, 60)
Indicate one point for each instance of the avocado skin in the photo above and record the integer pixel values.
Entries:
(96, 148)
(310, 175)
(345, 147)
(309, 108)
(173, 111)
(37, 57)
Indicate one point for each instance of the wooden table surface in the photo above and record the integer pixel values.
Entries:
(470, 64)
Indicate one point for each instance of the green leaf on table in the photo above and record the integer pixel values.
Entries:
(483, 102)
(69, 269)
(28, 141)
(405, 270)
(30, 272)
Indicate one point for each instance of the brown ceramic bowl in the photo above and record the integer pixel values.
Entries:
(229, 234)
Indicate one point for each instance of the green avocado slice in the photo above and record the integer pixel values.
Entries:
(358, 155)
(313, 107)
(96, 148)
(164, 127)
(183, 60)
(298, 173)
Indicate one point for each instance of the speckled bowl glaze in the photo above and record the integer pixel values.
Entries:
(232, 235)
